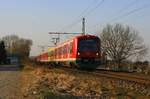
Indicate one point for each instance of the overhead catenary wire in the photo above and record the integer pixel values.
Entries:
(87, 9)
(120, 11)
(79, 17)
(130, 12)
(94, 8)
(85, 13)
(124, 15)
(127, 6)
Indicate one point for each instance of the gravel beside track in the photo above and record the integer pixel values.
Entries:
(142, 79)
(123, 80)
(9, 82)
(131, 77)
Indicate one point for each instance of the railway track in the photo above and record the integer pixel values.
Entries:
(129, 77)
(130, 81)
(125, 80)
(125, 76)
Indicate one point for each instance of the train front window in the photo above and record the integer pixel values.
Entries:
(87, 45)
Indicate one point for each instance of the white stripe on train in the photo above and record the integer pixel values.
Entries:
(68, 59)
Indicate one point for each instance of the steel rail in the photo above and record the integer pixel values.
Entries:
(113, 75)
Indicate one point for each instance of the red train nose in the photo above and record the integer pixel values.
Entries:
(86, 54)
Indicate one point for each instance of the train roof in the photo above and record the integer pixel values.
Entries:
(81, 36)
(86, 36)
(70, 40)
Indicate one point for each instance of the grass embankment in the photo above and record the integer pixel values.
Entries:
(41, 82)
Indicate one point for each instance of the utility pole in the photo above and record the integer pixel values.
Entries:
(55, 40)
(83, 26)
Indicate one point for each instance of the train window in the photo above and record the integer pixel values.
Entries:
(71, 47)
(49, 53)
(68, 48)
(61, 50)
(87, 45)
(56, 52)
(52, 53)
(65, 49)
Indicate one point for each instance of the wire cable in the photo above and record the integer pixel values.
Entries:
(85, 13)
(79, 18)
(125, 14)
(126, 7)
(92, 10)
(130, 12)
(120, 11)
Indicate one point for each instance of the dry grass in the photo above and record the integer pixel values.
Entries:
(56, 82)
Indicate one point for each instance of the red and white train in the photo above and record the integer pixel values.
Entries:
(80, 52)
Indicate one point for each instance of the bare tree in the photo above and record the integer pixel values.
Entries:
(18, 45)
(121, 42)
(3, 52)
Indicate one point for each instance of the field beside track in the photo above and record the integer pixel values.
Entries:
(34, 81)
(41, 82)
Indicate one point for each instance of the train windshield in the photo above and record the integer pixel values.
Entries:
(87, 45)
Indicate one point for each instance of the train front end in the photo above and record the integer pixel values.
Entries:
(88, 53)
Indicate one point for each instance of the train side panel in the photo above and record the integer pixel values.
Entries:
(75, 54)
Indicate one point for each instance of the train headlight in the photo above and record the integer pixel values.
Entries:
(97, 54)
(78, 53)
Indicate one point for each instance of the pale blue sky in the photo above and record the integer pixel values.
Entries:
(35, 18)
